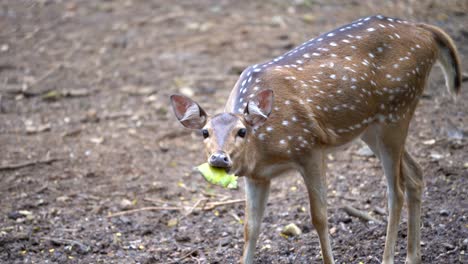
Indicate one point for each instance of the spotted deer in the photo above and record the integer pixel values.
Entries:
(362, 80)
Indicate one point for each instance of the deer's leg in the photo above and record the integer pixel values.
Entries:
(314, 178)
(414, 186)
(256, 198)
(387, 142)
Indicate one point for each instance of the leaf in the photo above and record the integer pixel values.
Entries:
(51, 95)
(172, 222)
(218, 176)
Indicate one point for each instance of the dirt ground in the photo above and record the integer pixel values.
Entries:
(86, 133)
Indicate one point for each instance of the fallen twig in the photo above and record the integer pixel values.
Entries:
(47, 74)
(360, 214)
(160, 19)
(447, 253)
(195, 206)
(379, 210)
(116, 115)
(212, 205)
(27, 164)
(190, 253)
(157, 201)
(235, 216)
(62, 241)
(205, 207)
(173, 134)
(207, 194)
(149, 208)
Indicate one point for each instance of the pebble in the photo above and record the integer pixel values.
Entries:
(187, 91)
(126, 204)
(444, 212)
(436, 156)
(448, 246)
(4, 48)
(15, 215)
(125, 220)
(291, 230)
(225, 241)
(365, 151)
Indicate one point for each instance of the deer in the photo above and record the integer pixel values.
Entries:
(360, 81)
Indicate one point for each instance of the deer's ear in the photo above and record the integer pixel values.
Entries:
(259, 108)
(188, 112)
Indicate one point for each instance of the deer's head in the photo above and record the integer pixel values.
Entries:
(227, 135)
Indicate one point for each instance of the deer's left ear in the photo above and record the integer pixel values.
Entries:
(259, 108)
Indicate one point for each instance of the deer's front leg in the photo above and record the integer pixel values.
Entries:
(314, 178)
(256, 193)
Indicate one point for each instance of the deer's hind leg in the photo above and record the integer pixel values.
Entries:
(387, 141)
(413, 176)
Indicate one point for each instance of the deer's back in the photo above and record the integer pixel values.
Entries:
(329, 89)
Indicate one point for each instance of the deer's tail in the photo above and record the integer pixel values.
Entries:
(448, 59)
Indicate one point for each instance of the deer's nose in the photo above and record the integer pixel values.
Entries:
(220, 159)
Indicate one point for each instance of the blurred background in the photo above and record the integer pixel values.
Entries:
(94, 167)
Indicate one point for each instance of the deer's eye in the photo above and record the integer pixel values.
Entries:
(205, 133)
(241, 132)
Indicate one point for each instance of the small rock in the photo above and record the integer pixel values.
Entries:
(25, 212)
(172, 222)
(97, 140)
(182, 238)
(62, 199)
(4, 48)
(309, 18)
(225, 241)
(125, 220)
(453, 132)
(52, 95)
(429, 142)
(126, 204)
(187, 91)
(41, 202)
(436, 156)
(365, 151)
(448, 246)
(136, 90)
(278, 21)
(30, 129)
(15, 215)
(266, 247)
(291, 230)
(444, 212)
(78, 92)
(91, 116)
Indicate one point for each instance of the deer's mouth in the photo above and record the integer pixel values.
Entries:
(220, 160)
(226, 169)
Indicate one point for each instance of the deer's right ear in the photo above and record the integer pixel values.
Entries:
(189, 113)
(259, 108)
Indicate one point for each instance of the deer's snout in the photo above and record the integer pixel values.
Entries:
(220, 159)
